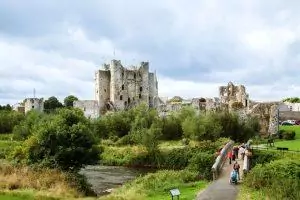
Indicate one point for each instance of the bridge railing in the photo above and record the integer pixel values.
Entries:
(246, 164)
(220, 160)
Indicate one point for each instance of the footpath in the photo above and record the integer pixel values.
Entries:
(221, 189)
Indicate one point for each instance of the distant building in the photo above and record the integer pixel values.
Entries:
(287, 106)
(33, 104)
(19, 108)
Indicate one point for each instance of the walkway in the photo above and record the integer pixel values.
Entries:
(221, 189)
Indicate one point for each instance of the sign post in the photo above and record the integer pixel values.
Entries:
(175, 192)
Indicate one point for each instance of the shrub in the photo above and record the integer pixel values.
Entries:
(65, 142)
(8, 120)
(288, 135)
(280, 179)
(202, 163)
(23, 130)
(263, 157)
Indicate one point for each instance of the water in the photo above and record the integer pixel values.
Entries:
(105, 178)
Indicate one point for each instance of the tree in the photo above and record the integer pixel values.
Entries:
(6, 107)
(24, 129)
(65, 142)
(9, 119)
(51, 104)
(69, 100)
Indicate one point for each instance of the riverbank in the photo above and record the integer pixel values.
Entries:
(158, 185)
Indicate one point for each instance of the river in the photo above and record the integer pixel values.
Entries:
(105, 178)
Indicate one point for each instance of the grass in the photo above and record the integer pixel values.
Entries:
(45, 182)
(293, 145)
(246, 193)
(157, 186)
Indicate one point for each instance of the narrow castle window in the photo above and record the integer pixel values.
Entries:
(128, 100)
(134, 75)
(121, 97)
(32, 107)
(123, 87)
(104, 90)
(141, 89)
(140, 96)
(125, 103)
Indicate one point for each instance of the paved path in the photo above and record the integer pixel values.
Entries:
(221, 189)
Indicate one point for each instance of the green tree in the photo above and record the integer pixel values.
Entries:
(24, 129)
(51, 104)
(9, 119)
(6, 107)
(209, 127)
(69, 100)
(65, 142)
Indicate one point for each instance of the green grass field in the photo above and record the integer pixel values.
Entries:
(291, 144)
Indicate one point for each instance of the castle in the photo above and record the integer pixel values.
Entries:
(120, 88)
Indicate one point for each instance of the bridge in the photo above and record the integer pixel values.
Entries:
(220, 188)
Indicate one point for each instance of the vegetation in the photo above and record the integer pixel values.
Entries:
(68, 101)
(157, 185)
(9, 119)
(51, 104)
(280, 179)
(64, 141)
(292, 100)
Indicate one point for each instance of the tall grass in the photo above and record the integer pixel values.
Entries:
(45, 181)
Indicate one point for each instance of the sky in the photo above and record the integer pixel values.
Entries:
(194, 46)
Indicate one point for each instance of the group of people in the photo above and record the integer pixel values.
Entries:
(233, 155)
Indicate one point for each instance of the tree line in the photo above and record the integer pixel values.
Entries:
(66, 139)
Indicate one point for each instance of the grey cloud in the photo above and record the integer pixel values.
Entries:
(55, 45)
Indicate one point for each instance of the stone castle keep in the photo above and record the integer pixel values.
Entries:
(119, 88)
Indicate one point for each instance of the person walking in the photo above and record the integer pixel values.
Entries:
(229, 155)
(236, 152)
(236, 167)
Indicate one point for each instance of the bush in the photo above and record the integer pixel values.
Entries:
(202, 163)
(263, 157)
(280, 179)
(23, 130)
(65, 142)
(8, 120)
(288, 135)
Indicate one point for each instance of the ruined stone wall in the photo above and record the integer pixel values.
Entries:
(144, 69)
(90, 108)
(268, 117)
(153, 92)
(34, 104)
(230, 94)
(116, 93)
(102, 87)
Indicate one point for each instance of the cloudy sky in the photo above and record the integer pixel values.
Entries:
(55, 46)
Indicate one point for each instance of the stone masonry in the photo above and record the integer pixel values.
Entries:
(120, 88)
(34, 104)
(231, 94)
